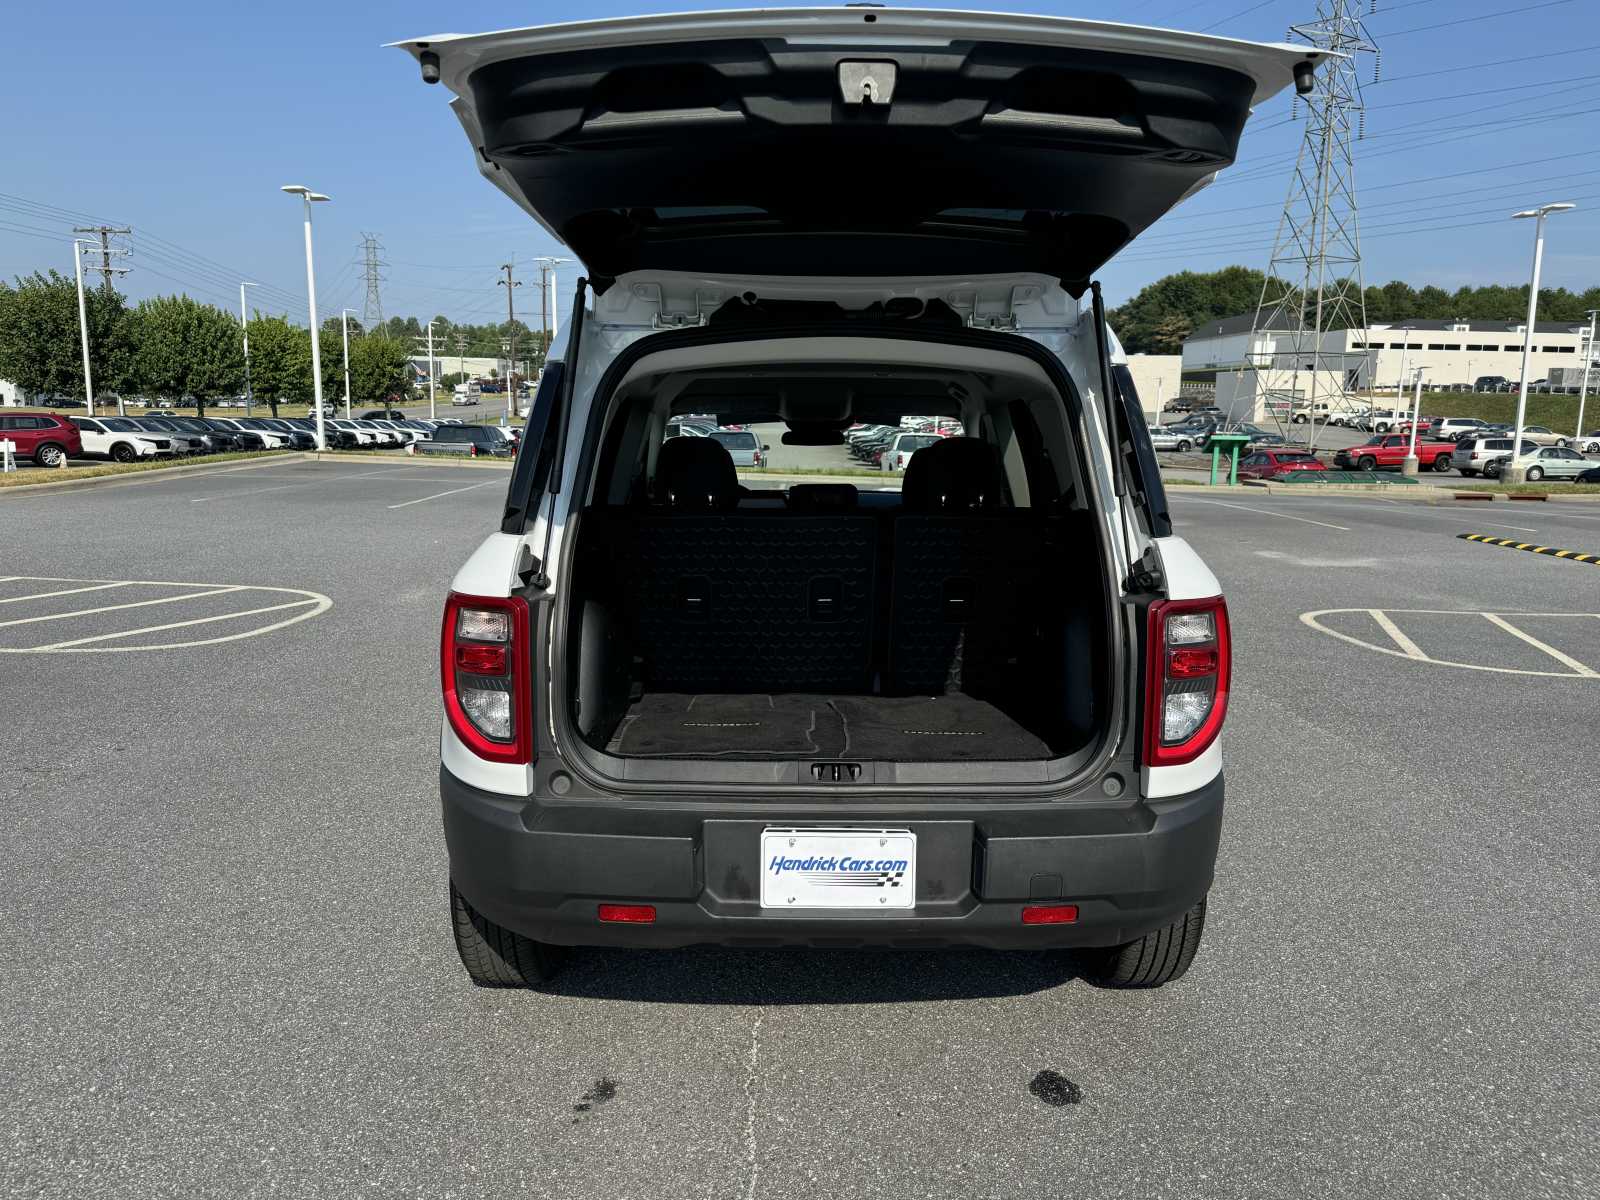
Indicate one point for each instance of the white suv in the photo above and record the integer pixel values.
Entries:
(982, 709)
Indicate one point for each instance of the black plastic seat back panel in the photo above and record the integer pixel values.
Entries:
(767, 602)
(973, 597)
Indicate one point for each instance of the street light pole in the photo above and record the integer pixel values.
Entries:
(83, 322)
(1588, 357)
(1515, 472)
(1410, 465)
(244, 324)
(432, 411)
(344, 329)
(307, 195)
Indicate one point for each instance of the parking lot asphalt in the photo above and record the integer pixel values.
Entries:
(229, 969)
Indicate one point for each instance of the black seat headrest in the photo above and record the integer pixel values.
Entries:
(958, 474)
(822, 497)
(696, 473)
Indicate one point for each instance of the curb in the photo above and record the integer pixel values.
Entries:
(1513, 544)
(155, 475)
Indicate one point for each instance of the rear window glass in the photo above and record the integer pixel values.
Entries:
(1297, 458)
(736, 441)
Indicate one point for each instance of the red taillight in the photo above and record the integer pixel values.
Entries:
(1186, 692)
(488, 694)
(629, 914)
(481, 660)
(1049, 914)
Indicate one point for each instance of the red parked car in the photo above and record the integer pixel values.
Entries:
(47, 439)
(1275, 464)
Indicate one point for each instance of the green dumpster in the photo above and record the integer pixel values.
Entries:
(1234, 444)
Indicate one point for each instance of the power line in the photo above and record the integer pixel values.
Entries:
(1494, 62)
(1510, 12)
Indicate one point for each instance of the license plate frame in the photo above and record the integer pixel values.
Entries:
(838, 868)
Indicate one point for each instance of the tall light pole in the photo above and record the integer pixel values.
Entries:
(1410, 465)
(344, 330)
(83, 321)
(244, 324)
(1588, 357)
(1515, 472)
(432, 405)
(308, 196)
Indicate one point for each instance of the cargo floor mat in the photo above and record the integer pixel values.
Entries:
(953, 728)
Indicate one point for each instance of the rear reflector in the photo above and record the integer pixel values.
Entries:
(633, 914)
(1049, 914)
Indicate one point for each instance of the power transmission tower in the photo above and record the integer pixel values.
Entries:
(372, 268)
(105, 233)
(510, 285)
(1314, 281)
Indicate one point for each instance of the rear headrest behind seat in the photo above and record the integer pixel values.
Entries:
(956, 475)
(696, 474)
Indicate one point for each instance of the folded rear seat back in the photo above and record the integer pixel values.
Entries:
(765, 602)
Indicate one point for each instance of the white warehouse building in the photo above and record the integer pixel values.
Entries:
(1453, 353)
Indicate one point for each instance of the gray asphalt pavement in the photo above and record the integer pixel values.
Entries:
(228, 967)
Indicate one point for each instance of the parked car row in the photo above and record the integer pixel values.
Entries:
(890, 447)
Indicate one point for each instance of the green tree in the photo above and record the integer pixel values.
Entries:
(185, 348)
(280, 361)
(1151, 322)
(40, 350)
(379, 368)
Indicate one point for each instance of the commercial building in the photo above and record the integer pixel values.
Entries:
(1156, 378)
(1454, 353)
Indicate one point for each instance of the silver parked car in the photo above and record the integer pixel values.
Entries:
(1551, 462)
(744, 446)
(1473, 455)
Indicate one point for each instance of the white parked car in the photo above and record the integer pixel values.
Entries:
(981, 710)
(120, 440)
(899, 451)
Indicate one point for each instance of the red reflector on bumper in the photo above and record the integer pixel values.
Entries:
(1049, 914)
(637, 914)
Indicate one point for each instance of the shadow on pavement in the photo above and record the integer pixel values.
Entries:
(713, 975)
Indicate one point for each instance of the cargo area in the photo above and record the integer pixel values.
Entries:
(956, 613)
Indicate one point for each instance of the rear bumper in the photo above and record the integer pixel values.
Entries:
(543, 868)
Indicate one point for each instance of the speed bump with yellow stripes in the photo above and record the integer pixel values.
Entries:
(1531, 548)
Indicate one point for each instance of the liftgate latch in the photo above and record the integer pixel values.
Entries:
(867, 82)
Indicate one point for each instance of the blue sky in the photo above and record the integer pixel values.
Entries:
(182, 120)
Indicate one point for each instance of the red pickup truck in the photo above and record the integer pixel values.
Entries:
(1390, 449)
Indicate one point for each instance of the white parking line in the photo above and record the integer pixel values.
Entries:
(1412, 650)
(335, 476)
(1267, 512)
(1564, 659)
(86, 612)
(98, 587)
(249, 612)
(451, 492)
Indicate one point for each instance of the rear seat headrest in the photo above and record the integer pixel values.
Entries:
(696, 473)
(822, 497)
(958, 474)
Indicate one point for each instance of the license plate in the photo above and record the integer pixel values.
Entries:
(819, 867)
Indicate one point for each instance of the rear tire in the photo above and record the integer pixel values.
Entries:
(1158, 958)
(1442, 463)
(496, 957)
(50, 455)
(1183, 446)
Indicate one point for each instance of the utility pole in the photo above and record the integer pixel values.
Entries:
(1313, 280)
(547, 289)
(510, 285)
(461, 356)
(105, 234)
(1588, 358)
